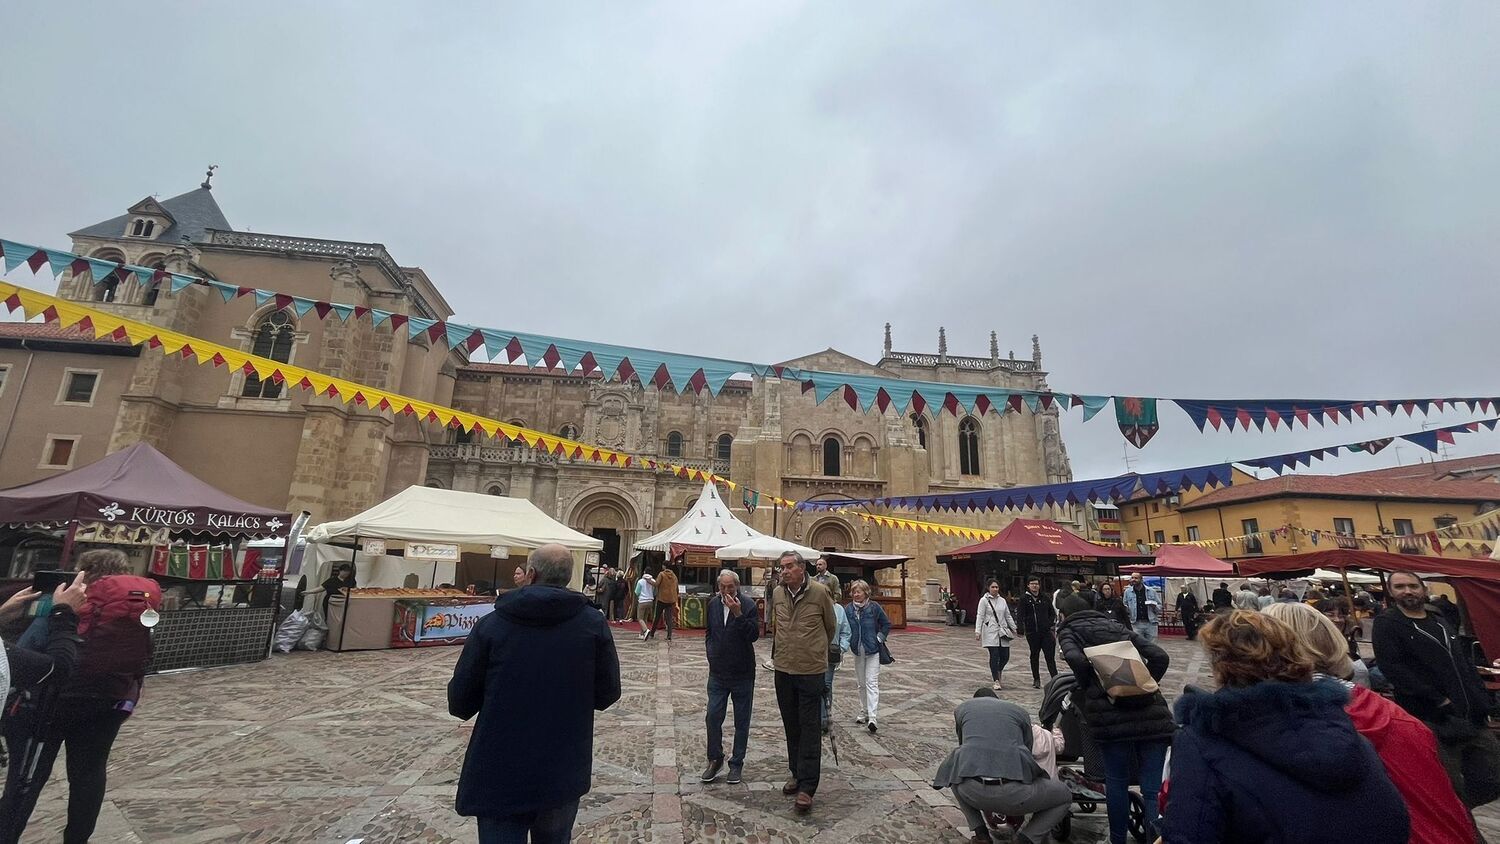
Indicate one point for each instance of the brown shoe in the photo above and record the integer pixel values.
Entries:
(790, 788)
(804, 802)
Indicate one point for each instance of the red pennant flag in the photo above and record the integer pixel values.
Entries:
(1213, 417)
(918, 404)
(551, 358)
(1013, 403)
(513, 351)
(1242, 416)
(218, 360)
(1046, 401)
(882, 399)
(698, 383)
(587, 363)
(662, 379)
(360, 310)
(397, 321)
(1445, 436)
(1273, 417)
(436, 331)
(243, 291)
(13, 301)
(625, 372)
(277, 376)
(851, 398)
(283, 301)
(186, 351)
(982, 404)
(78, 267)
(50, 314)
(475, 340)
(37, 259)
(950, 403)
(323, 309)
(385, 404)
(85, 324)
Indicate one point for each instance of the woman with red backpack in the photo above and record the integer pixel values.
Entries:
(86, 711)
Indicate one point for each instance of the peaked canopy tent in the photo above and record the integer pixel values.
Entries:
(138, 487)
(474, 522)
(692, 544)
(1028, 547)
(443, 533)
(138, 501)
(1476, 580)
(1182, 561)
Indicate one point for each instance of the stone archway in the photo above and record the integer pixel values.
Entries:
(831, 533)
(610, 517)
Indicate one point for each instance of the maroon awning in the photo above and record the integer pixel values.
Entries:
(1342, 558)
(1040, 538)
(138, 486)
(1183, 561)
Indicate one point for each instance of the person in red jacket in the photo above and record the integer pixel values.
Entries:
(1405, 745)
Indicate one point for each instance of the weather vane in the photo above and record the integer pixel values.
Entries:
(209, 178)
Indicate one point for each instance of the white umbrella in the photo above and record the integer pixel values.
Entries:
(763, 548)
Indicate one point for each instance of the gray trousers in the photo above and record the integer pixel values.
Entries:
(1046, 801)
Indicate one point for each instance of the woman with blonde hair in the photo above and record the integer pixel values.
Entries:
(1270, 737)
(868, 628)
(1405, 745)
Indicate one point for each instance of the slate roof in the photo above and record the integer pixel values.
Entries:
(195, 212)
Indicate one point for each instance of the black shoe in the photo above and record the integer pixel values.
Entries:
(711, 773)
(1036, 684)
(870, 726)
(735, 772)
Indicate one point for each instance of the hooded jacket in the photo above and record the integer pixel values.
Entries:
(1426, 666)
(1410, 755)
(1271, 764)
(1036, 614)
(1138, 719)
(534, 671)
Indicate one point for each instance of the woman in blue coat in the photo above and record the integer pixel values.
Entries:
(868, 628)
(1271, 756)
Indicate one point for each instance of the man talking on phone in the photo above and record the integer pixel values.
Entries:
(733, 627)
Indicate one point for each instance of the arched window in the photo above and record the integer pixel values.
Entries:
(434, 483)
(458, 436)
(153, 287)
(494, 489)
(273, 339)
(674, 444)
(833, 451)
(968, 447)
(722, 447)
(105, 290)
(568, 432)
(919, 422)
(143, 228)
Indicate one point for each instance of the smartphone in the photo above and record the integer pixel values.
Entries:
(46, 582)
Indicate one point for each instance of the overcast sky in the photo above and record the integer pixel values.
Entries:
(1202, 200)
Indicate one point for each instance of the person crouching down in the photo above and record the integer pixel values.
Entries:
(993, 770)
(733, 626)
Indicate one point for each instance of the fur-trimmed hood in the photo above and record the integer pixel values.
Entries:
(1300, 729)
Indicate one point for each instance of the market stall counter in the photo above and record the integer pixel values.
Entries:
(373, 619)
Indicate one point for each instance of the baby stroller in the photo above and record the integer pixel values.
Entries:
(1080, 765)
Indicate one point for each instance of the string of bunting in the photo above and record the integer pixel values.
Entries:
(170, 343)
(1136, 416)
(1480, 534)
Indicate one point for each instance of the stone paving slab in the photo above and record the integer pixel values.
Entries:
(322, 747)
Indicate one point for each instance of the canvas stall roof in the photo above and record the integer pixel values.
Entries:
(1038, 538)
(707, 526)
(139, 486)
(763, 548)
(1183, 561)
(423, 514)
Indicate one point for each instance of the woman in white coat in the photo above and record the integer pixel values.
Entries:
(994, 627)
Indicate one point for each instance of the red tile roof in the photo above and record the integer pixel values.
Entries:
(1358, 485)
(52, 332)
(1458, 466)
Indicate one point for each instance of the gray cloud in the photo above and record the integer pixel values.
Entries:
(1274, 200)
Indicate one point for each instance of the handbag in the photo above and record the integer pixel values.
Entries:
(1121, 670)
(885, 653)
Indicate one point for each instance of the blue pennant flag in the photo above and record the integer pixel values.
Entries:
(15, 253)
(301, 305)
(379, 317)
(59, 261)
(182, 281)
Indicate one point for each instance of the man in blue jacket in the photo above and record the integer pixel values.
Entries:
(733, 627)
(534, 671)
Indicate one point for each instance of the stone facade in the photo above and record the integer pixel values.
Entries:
(284, 448)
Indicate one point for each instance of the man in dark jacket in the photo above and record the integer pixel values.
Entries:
(1223, 598)
(1037, 617)
(1187, 610)
(534, 670)
(1420, 654)
(733, 627)
(1133, 733)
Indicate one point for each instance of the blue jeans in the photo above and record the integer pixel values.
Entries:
(1124, 761)
(1145, 629)
(719, 694)
(546, 826)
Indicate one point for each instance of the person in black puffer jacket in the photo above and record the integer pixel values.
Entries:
(1133, 734)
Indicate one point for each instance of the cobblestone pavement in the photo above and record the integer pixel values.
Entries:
(311, 748)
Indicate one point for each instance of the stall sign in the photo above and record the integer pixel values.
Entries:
(500, 552)
(704, 559)
(436, 551)
(420, 624)
(373, 547)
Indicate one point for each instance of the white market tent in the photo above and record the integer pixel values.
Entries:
(707, 526)
(470, 520)
(764, 548)
(1327, 575)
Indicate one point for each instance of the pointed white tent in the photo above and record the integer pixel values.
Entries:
(764, 548)
(708, 525)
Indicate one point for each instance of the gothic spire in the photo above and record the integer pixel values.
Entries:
(887, 339)
(942, 343)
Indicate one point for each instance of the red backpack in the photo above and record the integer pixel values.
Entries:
(116, 647)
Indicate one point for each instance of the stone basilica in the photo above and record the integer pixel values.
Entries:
(287, 449)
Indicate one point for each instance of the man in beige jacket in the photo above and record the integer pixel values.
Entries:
(803, 623)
